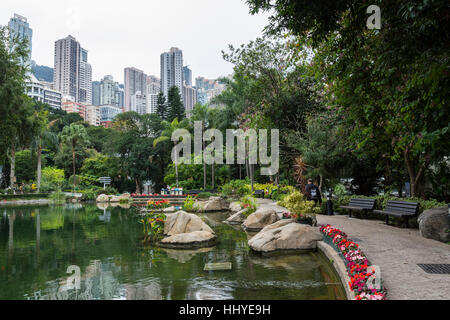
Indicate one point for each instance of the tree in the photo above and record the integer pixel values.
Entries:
(161, 107)
(74, 135)
(166, 135)
(175, 105)
(16, 112)
(43, 137)
(389, 84)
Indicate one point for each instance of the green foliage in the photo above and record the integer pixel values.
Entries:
(23, 196)
(175, 105)
(339, 190)
(204, 195)
(249, 203)
(52, 179)
(58, 196)
(282, 192)
(153, 224)
(297, 203)
(188, 204)
(236, 189)
(25, 166)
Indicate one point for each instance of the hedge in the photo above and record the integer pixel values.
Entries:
(24, 196)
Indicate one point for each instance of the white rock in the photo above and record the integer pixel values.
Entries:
(191, 239)
(183, 222)
(260, 218)
(103, 198)
(285, 235)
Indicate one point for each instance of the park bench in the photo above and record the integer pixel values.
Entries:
(403, 209)
(259, 193)
(358, 204)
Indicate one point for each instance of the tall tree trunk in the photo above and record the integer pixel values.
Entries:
(414, 177)
(203, 160)
(12, 175)
(251, 175)
(213, 168)
(176, 172)
(138, 186)
(39, 167)
(73, 163)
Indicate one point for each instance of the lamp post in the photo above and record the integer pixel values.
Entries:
(330, 203)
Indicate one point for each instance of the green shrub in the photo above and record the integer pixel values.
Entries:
(296, 203)
(236, 189)
(249, 203)
(52, 179)
(204, 195)
(188, 204)
(58, 196)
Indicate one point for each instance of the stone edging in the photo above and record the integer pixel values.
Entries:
(338, 265)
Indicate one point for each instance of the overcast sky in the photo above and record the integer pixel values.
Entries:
(133, 33)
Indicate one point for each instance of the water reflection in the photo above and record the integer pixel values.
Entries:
(38, 244)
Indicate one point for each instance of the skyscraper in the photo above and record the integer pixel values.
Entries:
(96, 93)
(187, 75)
(72, 74)
(135, 81)
(109, 91)
(172, 70)
(85, 78)
(19, 27)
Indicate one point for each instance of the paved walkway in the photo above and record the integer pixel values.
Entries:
(397, 252)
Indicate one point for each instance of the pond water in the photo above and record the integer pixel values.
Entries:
(38, 244)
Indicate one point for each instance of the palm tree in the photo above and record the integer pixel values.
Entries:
(200, 113)
(166, 135)
(73, 135)
(44, 137)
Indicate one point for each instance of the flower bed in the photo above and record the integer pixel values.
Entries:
(158, 205)
(356, 263)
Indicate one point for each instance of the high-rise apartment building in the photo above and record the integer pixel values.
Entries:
(207, 89)
(189, 99)
(153, 90)
(121, 95)
(20, 28)
(187, 75)
(96, 93)
(135, 81)
(93, 115)
(40, 91)
(72, 74)
(85, 78)
(139, 103)
(172, 70)
(109, 91)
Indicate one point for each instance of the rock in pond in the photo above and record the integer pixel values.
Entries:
(237, 218)
(183, 222)
(285, 235)
(259, 219)
(114, 199)
(103, 198)
(195, 239)
(235, 206)
(215, 204)
(435, 224)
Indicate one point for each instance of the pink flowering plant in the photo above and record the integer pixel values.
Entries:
(357, 265)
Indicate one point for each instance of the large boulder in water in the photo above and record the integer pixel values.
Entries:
(235, 206)
(216, 204)
(237, 218)
(285, 234)
(435, 224)
(183, 222)
(103, 198)
(193, 239)
(260, 218)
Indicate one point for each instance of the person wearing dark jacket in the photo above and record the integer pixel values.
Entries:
(313, 192)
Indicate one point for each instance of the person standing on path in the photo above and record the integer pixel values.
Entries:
(313, 192)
